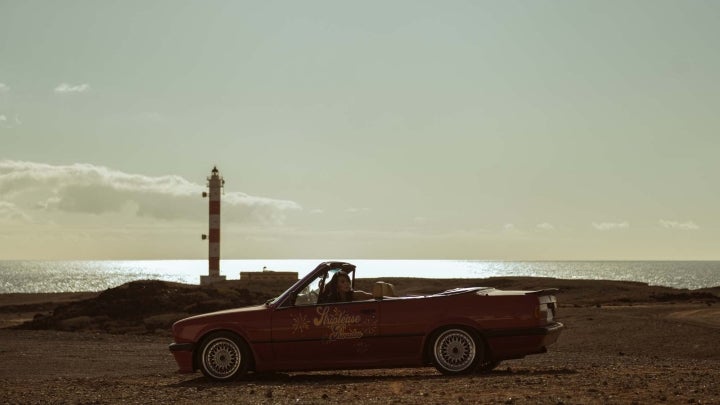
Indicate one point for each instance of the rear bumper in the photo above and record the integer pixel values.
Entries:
(183, 353)
(517, 343)
(550, 329)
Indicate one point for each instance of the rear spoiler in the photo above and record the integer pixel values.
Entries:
(547, 291)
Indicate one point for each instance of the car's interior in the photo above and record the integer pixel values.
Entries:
(310, 293)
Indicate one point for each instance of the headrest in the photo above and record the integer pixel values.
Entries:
(382, 289)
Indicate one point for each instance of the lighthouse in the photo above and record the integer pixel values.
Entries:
(215, 184)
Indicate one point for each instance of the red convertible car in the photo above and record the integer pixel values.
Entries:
(458, 331)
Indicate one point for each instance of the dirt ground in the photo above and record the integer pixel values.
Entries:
(638, 353)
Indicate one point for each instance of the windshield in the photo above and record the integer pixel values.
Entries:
(314, 289)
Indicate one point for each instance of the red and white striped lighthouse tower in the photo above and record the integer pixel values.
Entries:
(215, 184)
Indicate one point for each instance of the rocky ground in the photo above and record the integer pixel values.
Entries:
(624, 343)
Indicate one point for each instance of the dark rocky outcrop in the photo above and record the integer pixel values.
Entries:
(149, 306)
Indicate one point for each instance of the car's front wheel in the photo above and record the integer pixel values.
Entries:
(456, 351)
(223, 356)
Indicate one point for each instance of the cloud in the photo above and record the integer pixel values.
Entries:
(89, 189)
(4, 88)
(545, 226)
(68, 88)
(685, 226)
(247, 208)
(9, 211)
(5, 122)
(610, 226)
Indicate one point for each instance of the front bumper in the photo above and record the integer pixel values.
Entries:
(183, 353)
(181, 347)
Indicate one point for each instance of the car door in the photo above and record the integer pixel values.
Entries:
(318, 336)
(311, 335)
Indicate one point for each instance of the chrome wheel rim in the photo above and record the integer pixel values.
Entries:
(221, 358)
(455, 350)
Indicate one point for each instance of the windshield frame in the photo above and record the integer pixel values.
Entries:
(286, 299)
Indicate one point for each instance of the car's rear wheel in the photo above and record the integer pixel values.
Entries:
(223, 356)
(456, 351)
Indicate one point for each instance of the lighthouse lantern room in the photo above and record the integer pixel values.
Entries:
(215, 184)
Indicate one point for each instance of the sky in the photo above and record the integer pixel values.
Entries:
(479, 130)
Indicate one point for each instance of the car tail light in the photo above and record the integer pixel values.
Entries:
(551, 311)
(546, 311)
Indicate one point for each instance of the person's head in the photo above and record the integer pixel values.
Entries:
(343, 282)
(339, 286)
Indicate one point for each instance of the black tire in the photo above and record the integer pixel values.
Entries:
(456, 351)
(223, 356)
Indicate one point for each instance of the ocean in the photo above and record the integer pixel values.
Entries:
(21, 276)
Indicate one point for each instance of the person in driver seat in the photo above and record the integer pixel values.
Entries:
(339, 289)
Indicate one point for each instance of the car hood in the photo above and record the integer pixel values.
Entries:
(225, 312)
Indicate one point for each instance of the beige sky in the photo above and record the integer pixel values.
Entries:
(498, 130)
